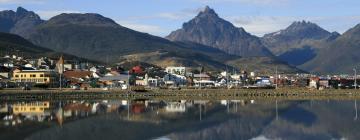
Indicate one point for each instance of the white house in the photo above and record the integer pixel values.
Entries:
(174, 79)
(176, 70)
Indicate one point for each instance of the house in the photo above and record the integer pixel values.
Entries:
(28, 65)
(94, 69)
(78, 75)
(263, 81)
(35, 77)
(201, 77)
(4, 72)
(174, 80)
(176, 70)
(314, 82)
(115, 81)
(68, 66)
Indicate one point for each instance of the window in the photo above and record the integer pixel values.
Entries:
(41, 75)
(16, 76)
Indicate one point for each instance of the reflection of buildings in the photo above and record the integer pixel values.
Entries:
(32, 111)
(138, 108)
(76, 109)
(30, 108)
(175, 107)
(4, 108)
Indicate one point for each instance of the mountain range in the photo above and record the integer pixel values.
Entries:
(206, 40)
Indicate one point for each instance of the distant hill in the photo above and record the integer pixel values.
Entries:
(299, 42)
(341, 56)
(14, 44)
(209, 29)
(263, 65)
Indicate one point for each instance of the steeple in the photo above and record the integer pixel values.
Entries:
(60, 65)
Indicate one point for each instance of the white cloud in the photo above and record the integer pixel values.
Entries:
(22, 1)
(260, 25)
(146, 28)
(52, 13)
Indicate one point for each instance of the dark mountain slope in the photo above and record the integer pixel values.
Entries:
(340, 57)
(299, 42)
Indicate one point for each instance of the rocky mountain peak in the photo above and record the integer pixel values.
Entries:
(300, 25)
(300, 30)
(208, 12)
(207, 28)
(21, 10)
(20, 22)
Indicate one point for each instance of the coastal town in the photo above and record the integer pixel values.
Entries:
(45, 73)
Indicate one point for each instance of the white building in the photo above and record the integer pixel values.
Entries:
(174, 79)
(176, 70)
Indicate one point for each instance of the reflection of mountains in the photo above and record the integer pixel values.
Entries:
(334, 120)
(307, 120)
(115, 125)
(297, 120)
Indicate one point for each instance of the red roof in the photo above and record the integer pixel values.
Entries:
(77, 74)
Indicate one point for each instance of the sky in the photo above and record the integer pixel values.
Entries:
(160, 17)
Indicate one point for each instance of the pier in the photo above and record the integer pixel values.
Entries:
(191, 94)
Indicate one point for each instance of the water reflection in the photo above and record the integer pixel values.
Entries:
(179, 119)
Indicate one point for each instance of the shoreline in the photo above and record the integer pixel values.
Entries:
(192, 94)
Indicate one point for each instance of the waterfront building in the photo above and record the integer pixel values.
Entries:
(47, 77)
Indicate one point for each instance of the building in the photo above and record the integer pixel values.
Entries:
(68, 66)
(78, 75)
(35, 77)
(201, 77)
(4, 72)
(175, 80)
(176, 70)
(115, 81)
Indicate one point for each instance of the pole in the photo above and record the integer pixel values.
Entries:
(60, 82)
(128, 82)
(200, 76)
(277, 113)
(355, 77)
(276, 78)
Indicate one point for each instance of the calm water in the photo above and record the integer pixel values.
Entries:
(180, 120)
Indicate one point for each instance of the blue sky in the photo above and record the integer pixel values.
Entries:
(160, 17)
